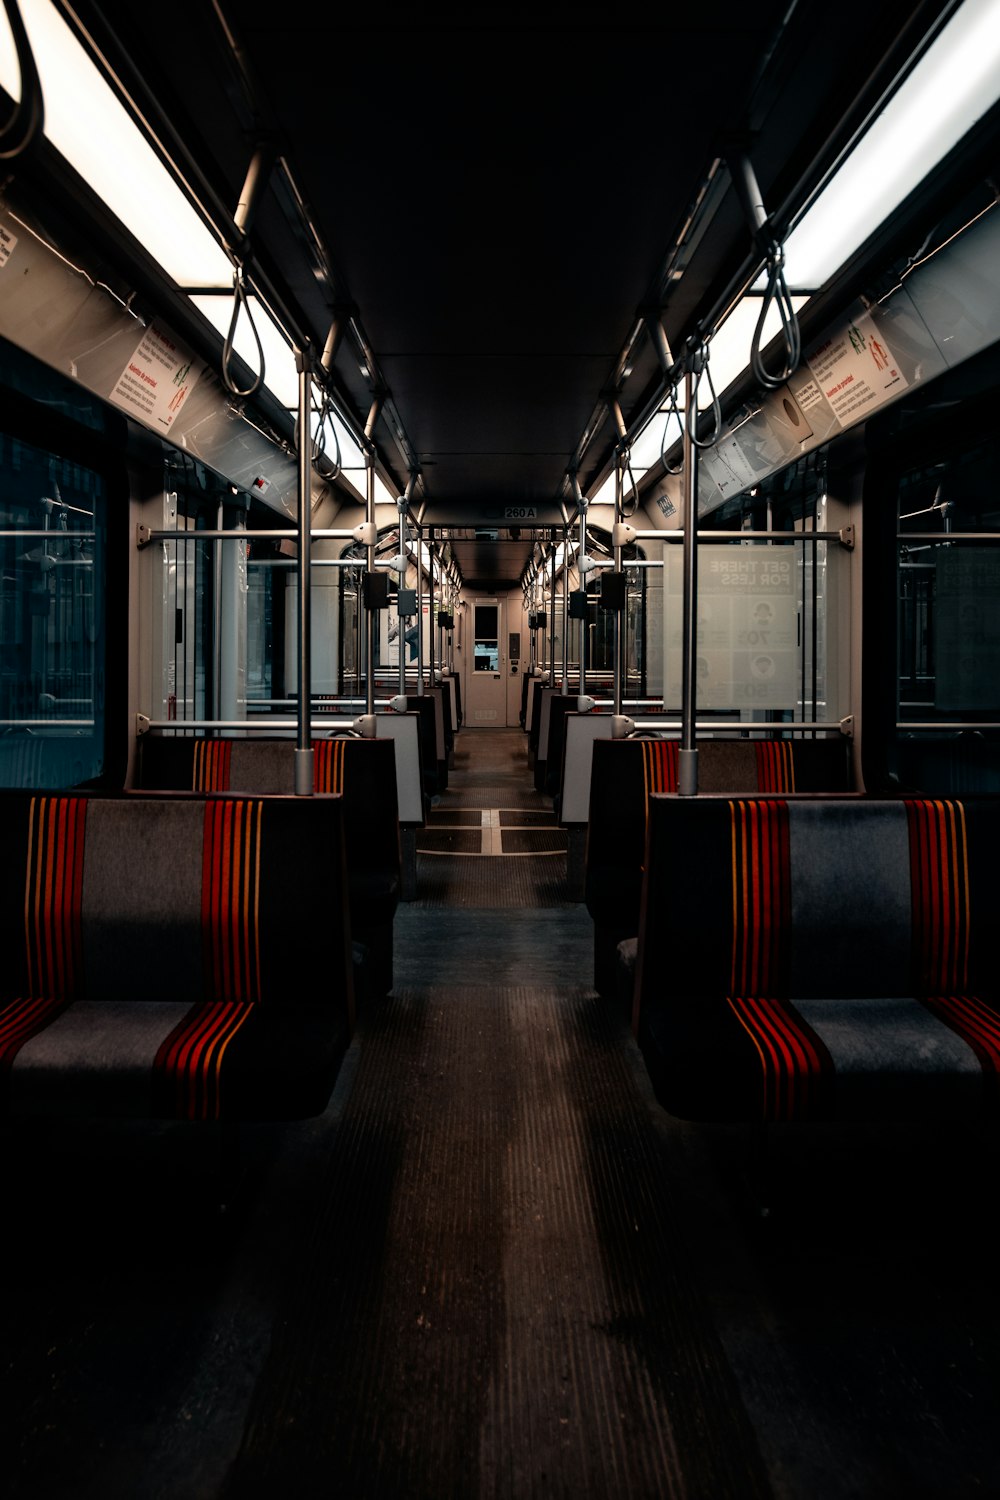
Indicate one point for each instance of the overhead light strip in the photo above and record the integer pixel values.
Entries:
(944, 96)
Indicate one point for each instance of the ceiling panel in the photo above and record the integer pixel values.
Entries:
(497, 194)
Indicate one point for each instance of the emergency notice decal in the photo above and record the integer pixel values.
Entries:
(7, 243)
(854, 370)
(157, 380)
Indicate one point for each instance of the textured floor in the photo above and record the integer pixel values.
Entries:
(494, 1267)
(497, 1302)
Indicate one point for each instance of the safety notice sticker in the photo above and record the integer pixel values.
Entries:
(854, 370)
(7, 243)
(157, 380)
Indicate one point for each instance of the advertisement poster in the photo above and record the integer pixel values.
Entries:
(747, 627)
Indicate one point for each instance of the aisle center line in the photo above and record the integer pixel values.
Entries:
(492, 839)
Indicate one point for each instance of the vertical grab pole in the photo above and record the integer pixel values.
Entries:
(619, 725)
(619, 487)
(401, 504)
(430, 606)
(565, 613)
(529, 604)
(687, 760)
(420, 611)
(453, 607)
(452, 601)
(552, 613)
(303, 743)
(581, 501)
(216, 615)
(371, 622)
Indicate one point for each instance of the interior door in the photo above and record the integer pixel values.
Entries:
(487, 686)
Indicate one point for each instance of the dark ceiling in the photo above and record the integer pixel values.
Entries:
(499, 197)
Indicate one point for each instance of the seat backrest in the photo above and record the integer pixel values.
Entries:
(625, 773)
(136, 899)
(839, 896)
(560, 706)
(422, 704)
(404, 731)
(579, 733)
(364, 770)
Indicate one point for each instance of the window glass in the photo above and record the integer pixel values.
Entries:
(948, 621)
(52, 618)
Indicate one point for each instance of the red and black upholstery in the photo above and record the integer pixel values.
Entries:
(820, 958)
(626, 773)
(548, 770)
(164, 958)
(362, 770)
(434, 772)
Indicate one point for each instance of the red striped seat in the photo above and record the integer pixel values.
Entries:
(626, 773)
(362, 770)
(821, 958)
(173, 958)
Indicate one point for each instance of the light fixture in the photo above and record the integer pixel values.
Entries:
(949, 89)
(280, 374)
(96, 135)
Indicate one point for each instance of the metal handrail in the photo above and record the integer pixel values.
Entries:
(948, 724)
(289, 725)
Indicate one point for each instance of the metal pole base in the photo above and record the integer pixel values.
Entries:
(687, 773)
(303, 773)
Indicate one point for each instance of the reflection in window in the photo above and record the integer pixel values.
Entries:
(486, 646)
(948, 595)
(52, 619)
(948, 622)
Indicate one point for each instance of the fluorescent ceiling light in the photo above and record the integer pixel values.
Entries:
(94, 132)
(729, 348)
(423, 557)
(729, 357)
(282, 380)
(382, 495)
(351, 456)
(96, 135)
(606, 494)
(352, 461)
(280, 374)
(560, 553)
(951, 87)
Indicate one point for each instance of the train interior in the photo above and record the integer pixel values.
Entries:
(649, 370)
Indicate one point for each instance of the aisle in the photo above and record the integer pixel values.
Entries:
(496, 1301)
(492, 843)
(494, 1267)
(491, 839)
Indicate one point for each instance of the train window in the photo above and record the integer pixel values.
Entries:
(599, 632)
(765, 654)
(202, 671)
(486, 647)
(948, 620)
(598, 627)
(210, 671)
(52, 618)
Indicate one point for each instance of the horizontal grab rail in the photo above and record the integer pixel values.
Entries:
(949, 724)
(277, 725)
